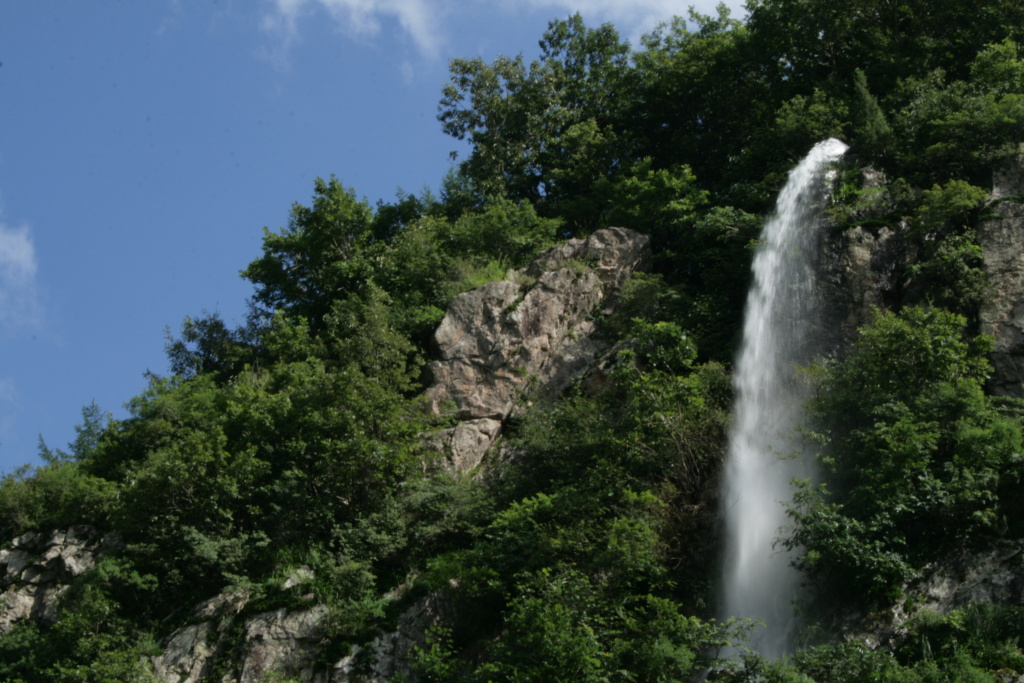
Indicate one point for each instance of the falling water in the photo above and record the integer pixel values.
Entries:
(764, 454)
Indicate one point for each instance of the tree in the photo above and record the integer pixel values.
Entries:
(701, 98)
(872, 133)
(544, 133)
(913, 451)
(318, 258)
(812, 42)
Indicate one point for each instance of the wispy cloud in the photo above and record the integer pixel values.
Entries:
(419, 20)
(632, 17)
(422, 21)
(19, 301)
(175, 13)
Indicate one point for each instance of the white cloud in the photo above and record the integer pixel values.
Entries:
(418, 19)
(632, 18)
(19, 302)
(422, 20)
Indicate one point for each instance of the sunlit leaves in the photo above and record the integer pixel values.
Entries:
(914, 455)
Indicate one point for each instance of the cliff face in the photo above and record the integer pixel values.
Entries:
(38, 568)
(498, 346)
(1002, 312)
(531, 333)
(864, 268)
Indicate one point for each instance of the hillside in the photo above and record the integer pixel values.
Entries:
(478, 435)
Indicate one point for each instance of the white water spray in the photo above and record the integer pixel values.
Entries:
(764, 453)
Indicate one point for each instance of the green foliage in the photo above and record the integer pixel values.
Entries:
(208, 346)
(976, 643)
(952, 274)
(91, 642)
(217, 476)
(803, 121)
(712, 270)
(872, 134)
(560, 626)
(699, 101)
(61, 492)
(947, 207)
(55, 495)
(507, 231)
(914, 453)
(661, 202)
(810, 41)
(644, 296)
(318, 257)
(554, 629)
(961, 127)
(540, 132)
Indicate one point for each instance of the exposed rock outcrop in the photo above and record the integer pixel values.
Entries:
(991, 576)
(246, 648)
(389, 655)
(863, 271)
(283, 641)
(861, 267)
(1008, 177)
(38, 568)
(532, 332)
(1002, 310)
(187, 655)
(232, 648)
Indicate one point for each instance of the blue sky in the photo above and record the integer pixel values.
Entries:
(144, 146)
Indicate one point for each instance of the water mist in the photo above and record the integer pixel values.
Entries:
(764, 453)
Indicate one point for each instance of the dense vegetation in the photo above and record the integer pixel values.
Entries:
(295, 439)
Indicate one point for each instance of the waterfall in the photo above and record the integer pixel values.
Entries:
(764, 453)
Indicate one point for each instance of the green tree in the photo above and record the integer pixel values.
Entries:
(812, 41)
(959, 127)
(872, 134)
(318, 258)
(544, 133)
(913, 453)
(701, 98)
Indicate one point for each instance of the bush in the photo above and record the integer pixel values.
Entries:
(913, 455)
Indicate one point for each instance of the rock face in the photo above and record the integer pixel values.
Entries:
(864, 268)
(862, 272)
(992, 576)
(243, 649)
(532, 332)
(388, 655)
(1008, 177)
(281, 641)
(232, 648)
(1002, 311)
(861, 268)
(38, 568)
